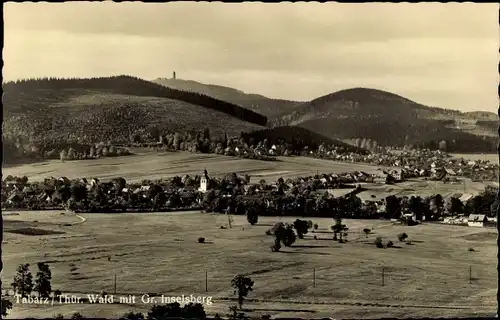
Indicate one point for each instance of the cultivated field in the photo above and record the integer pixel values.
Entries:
(158, 253)
(152, 165)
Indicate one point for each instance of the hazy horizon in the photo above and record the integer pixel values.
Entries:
(442, 55)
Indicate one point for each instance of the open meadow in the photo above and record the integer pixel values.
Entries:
(492, 157)
(153, 165)
(158, 253)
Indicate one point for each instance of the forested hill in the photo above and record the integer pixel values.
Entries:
(39, 91)
(49, 114)
(391, 120)
(255, 102)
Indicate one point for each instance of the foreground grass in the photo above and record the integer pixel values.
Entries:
(158, 253)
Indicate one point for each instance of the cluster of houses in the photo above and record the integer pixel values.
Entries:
(473, 220)
(410, 163)
(189, 192)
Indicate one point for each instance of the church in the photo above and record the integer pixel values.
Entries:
(204, 182)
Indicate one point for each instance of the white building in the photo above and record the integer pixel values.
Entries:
(204, 182)
(477, 220)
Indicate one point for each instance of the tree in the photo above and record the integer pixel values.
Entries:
(301, 226)
(437, 204)
(6, 305)
(42, 281)
(160, 312)
(338, 228)
(392, 207)
(402, 237)
(132, 316)
(455, 206)
(378, 242)
(367, 231)
(242, 286)
(252, 216)
(23, 280)
(194, 311)
(442, 145)
(63, 155)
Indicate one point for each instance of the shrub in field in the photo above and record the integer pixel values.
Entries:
(201, 240)
(132, 316)
(378, 242)
(471, 249)
(390, 244)
(77, 316)
(57, 294)
(402, 237)
(252, 217)
(316, 226)
(367, 231)
(276, 246)
(268, 232)
(301, 226)
(59, 317)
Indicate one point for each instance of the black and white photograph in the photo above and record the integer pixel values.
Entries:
(211, 160)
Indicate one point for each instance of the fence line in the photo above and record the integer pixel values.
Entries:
(319, 277)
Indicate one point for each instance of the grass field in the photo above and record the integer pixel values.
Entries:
(158, 253)
(152, 165)
(492, 157)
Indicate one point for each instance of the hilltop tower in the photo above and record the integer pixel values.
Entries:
(173, 75)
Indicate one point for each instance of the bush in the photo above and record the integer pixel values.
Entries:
(268, 232)
(402, 237)
(59, 317)
(133, 316)
(201, 240)
(57, 294)
(76, 316)
(315, 226)
(378, 242)
(390, 244)
(471, 249)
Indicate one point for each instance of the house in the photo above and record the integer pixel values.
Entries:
(450, 172)
(410, 216)
(465, 197)
(477, 220)
(397, 174)
(94, 182)
(16, 197)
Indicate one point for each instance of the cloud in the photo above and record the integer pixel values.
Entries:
(440, 54)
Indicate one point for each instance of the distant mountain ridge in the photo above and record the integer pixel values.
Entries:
(258, 103)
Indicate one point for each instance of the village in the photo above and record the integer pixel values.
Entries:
(349, 195)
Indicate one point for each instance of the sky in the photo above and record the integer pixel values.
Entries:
(437, 54)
